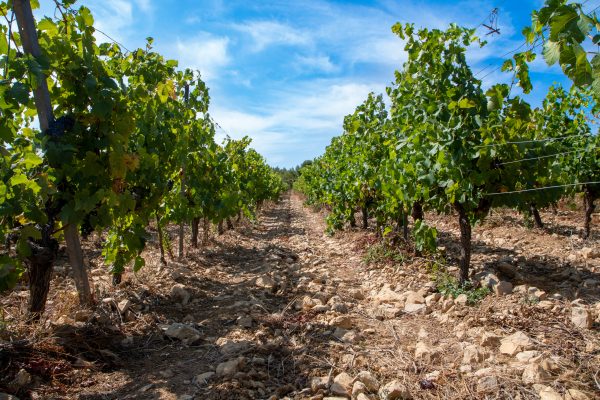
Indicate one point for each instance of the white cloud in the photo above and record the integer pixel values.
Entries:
(144, 5)
(297, 123)
(315, 63)
(204, 52)
(271, 33)
(113, 17)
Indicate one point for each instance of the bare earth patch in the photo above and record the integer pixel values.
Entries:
(277, 309)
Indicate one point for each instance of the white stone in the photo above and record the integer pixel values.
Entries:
(265, 281)
(487, 384)
(533, 373)
(415, 308)
(425, 351)
(574, 394)
(180, 293)
(582, 318)
(123, 306)
(387, 295)
(489, 339)
(461, 299)
(369, 380)
(319, 382)
(202, 379)
(528, 356)
(414, 298)
(358, 388)
(503, 288)
(472, 354)
(547, 393)
(183, 332)
(230, 367)
(515, 343)
(394, 390)
(342, 384)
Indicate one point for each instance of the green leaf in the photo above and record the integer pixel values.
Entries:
(19, 92)
(551, 52)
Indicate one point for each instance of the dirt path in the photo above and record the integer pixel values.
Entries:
(277, 309)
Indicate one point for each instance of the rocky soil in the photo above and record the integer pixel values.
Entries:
(276, 309)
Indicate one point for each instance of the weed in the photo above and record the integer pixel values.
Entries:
(383, 253)
(448, 285)
(531, 300)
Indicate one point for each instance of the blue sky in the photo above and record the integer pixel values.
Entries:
(286, 72)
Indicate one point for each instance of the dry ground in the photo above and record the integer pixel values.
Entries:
(284, 304)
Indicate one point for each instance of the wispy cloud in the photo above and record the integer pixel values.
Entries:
(318, 63)
(204, 52)
(272, 33)
(296, 122)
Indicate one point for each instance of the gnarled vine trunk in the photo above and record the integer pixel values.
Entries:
(230, 224)
(352, 220)
(589, 207)
(205, 231)
(75, 253)
(465, 243)
(535, 213)
(365, 217)
(195, 229)
(161, 243)
(40, 263)
(417, 212)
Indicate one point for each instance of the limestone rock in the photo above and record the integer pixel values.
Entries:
(414, 298)
(507, 269)
(461, 299)
(489, 339)
(534, 373)
(183, 332)
(123, 306)
(369, 380)
(358, 388)
(425, 351)
(447, 305)
(574, 394)
(319, 382)
(342, 321)
(432, 298)
(229, 347)
(23, 378)
(346, 336)
(265, 282)
(589, 253)
(472, 354)
(180, 293)
(394, 390)
(387, 311)
(487, 384)
(536, 294)
(515, 343)
(415, 308)
(582, 318)
(202, 379)
(229, 368)
(357, 294)
(528, 356)
(387, 295)
(547, 393)
(83, 315)
(486, 279)
(503, 288)
(342, 384)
